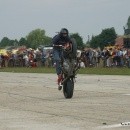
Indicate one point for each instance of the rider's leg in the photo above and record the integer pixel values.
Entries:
(57, 59)
(57, 54)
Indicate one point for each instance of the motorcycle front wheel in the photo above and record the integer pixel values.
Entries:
(68, 88)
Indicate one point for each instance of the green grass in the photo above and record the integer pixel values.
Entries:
(28, 70)
(105, 71)
(98, 71)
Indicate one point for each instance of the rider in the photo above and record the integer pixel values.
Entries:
(58, 41)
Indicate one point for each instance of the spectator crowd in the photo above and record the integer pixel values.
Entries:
(29, 58)
(108, 57)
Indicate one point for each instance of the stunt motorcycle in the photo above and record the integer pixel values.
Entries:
(70, 65)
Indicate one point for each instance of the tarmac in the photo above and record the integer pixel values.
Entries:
(31, 101)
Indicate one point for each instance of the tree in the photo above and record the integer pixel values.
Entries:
(47, 40)
(14, 42)
(37, 37)
(24, 42)
(106, 38)
(95, 41)
(79, 40)
(127, 28)
(5, 42)
(128, 23)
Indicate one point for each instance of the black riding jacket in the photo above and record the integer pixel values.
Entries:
(59, 40)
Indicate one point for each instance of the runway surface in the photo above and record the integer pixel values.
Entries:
(31, 101)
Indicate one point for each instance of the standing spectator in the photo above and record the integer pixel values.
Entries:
(98, 56)
(31, 58)
(103, 57)
(110, 57)
(26, 60)
(48, 59)
(0, 60)
(119, 56)
(124, 56)
(83, 58)
(3, 61)
(43, 58)
(87, 57)
(113, 56)
(94, 58)
(107, 56)
(34, 59)
(38, 58)
(128, 61)
(16, 59)
(90, 57)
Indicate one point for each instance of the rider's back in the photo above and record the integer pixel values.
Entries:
(58, 40)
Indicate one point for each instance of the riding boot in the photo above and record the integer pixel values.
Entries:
(60, 77)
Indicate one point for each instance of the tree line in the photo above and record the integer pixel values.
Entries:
(38, 37)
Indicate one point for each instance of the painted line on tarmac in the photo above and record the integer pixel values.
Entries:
(126, 94)
(125, 124)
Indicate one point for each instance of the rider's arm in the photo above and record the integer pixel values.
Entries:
(55, 40)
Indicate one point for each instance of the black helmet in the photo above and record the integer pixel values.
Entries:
(64, 32)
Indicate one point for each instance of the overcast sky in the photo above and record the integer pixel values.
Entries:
(87, 17)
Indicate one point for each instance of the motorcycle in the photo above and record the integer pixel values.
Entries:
(70, 65)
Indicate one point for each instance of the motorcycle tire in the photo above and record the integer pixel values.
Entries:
(74, 47)
(68, 88)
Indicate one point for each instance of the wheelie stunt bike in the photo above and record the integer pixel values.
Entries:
(70, 65)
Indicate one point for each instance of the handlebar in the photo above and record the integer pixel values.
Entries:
(65, 46)
(57, 45)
